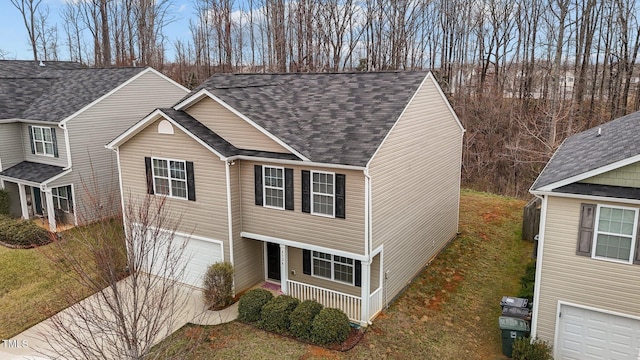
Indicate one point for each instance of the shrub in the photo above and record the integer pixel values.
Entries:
(4, 202)
(22, 233)
(330, 326)
(275, 314)
(251, 304)
(302, 319)
(527, 282)
(524, 349)
(218, 285)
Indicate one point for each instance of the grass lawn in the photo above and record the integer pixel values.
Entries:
(449, 312)
(33, 287)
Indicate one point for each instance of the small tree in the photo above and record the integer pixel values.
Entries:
(218, 285)
(4, 202)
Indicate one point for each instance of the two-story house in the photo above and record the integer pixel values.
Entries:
(339, 187)
(55, 118)
(587, 284)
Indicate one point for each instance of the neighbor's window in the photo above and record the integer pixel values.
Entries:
(42, 140)
(273, 187)
(615, 233)
(322, 193)
(333, 267)
(170, 177)
(62, 198)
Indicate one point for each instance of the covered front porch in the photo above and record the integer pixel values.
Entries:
(32, 197)
(333, 278)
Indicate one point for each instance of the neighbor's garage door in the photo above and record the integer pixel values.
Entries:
(586, 334)
(199, 254)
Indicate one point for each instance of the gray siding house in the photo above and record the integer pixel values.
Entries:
(55, 118)
(587, 285)
(335, 187)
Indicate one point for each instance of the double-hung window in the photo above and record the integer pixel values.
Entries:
(333, 267)
(62, 198)
(170, 177)
(614, 233)
(273, 187)
(43, 142)
(322, 193)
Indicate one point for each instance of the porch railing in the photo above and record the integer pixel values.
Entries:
(375, 303)
(348, 303)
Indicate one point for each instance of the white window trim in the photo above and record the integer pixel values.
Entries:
(56, 198)
(43, 141)
(333, 196)
(264, 187)
(333, 270)
(633, 235)
(186, 179)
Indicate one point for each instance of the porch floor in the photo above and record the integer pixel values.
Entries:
(44, 223)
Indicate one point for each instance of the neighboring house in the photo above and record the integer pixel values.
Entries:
(55, 118)
(587, 285)
(339, 187)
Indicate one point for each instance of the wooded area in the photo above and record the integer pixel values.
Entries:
(522, 76)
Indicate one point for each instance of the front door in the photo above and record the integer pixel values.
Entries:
(273, 261)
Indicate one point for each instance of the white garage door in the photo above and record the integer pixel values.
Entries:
(199, 254)
(586, 334)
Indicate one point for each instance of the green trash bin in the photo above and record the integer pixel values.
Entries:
(512, 328)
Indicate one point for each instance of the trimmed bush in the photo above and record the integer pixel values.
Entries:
(251, 304)
(301, 319)
(330, 326)
(4, 202)
(218, 285)
(22, 233)
(527, 282)
(275, 314)
(524, 349)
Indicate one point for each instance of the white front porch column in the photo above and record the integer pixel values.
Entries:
(51, 212)
(365, 282)
(23, 201)
(284, 268)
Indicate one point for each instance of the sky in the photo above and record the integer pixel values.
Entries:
(14, 41)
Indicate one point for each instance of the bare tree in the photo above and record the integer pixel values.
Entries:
(28, 9)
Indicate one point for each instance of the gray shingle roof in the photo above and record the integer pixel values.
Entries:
(30, 171)
(214, 140)
(337, 118)
(583, 152)
(52, 94)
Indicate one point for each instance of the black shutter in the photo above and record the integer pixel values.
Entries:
(257, 174)
(636, 258)
(339, 200)
(55, 142)
(191, 182)
(149, 171)
(33, 147)
(358, 273)
(306, 191)
(306, 262)
(288, 189)
(585, 232)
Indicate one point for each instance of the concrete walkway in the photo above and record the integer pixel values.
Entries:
(40, 341)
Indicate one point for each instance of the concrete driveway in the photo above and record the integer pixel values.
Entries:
(43, 341)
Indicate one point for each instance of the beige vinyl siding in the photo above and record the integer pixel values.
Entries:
(295, 263)
(248, 254)
(95, 127)
(375, 273)
(415, 187)
(61, 160)
(579, 279)
(230, 127)
(333, 233)
(207, 216)
(625, 176)
(11, 148)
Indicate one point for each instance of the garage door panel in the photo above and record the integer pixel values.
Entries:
(587, 334)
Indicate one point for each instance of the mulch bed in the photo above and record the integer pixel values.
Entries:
(354, 338)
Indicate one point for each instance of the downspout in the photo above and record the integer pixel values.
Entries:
(367, 233)
(67, 145)
(227, 164)
(540, 254)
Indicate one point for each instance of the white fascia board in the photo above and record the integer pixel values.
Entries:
(305, 246)
(27, 121)
(130, 132)
(197, 139)
(586, 197)
(20, 181)
(91, 104)
(295, 162)
(46, 182)
(446, 101)
(204, 92)
(168, 79)
(591, 173)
